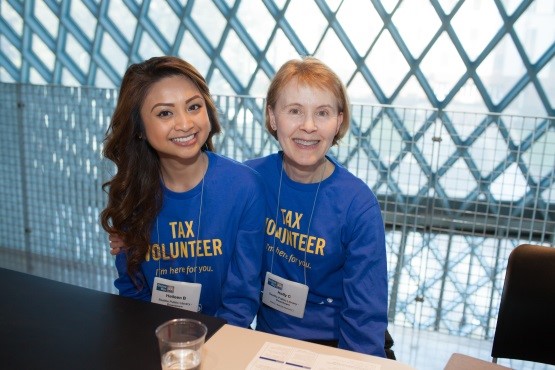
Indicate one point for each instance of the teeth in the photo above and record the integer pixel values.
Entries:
(183, 139)
(306, 142)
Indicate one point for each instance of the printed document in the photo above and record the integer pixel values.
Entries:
(278, 356)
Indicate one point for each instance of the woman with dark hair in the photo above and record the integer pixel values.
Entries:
(191, 220)
(325, 258)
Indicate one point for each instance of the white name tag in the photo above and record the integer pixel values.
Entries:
(176, 294)
(284, 295)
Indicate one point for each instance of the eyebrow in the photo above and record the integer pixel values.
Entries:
(329, 106)
(173, 105)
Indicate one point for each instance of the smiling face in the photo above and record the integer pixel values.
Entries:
(175, 119)
(306, 120)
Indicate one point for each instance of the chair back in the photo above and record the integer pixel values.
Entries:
(526, 321)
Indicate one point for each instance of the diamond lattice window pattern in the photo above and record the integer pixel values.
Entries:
(472, 55)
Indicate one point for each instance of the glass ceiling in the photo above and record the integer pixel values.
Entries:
(473, 55)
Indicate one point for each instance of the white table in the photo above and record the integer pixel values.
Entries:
(233, 348)
(458, 361)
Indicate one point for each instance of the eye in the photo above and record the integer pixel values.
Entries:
(164, 113)
(295, 112)
(194, 107)
(322, 113)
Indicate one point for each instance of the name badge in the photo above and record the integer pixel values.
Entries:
(285, 295)
(178, 294)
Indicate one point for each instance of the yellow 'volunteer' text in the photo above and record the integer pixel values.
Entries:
(303, 242)
(183, 249)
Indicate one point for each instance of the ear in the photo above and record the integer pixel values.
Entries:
(272, 119)
(339, 122)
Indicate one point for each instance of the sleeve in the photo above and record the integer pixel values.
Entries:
(363, 319)
(125, 285)
(241, 290)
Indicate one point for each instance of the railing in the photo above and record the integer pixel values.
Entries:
(459, 191)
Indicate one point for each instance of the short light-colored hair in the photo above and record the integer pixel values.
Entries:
(312, 72)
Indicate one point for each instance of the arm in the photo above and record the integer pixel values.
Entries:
(363, 318)
(241, 290)
(126, 286)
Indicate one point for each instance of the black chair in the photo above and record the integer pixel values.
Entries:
(526, 321)
(389, 353)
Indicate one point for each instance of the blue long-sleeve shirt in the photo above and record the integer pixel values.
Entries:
(344, 254)
(227, 250)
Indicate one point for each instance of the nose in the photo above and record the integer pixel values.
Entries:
(309, 124)
(183, 122)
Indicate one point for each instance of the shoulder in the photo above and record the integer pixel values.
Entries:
(222, 163)
(353, 189)
(261, 163)
(349, 180)
(233, 175)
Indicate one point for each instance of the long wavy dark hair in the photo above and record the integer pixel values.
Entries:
(135, 193)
